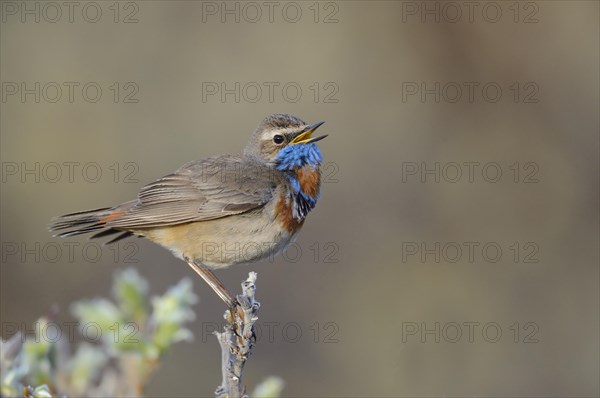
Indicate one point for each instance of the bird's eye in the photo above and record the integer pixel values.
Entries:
(278, 139)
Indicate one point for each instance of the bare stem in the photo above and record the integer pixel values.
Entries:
(237, 340)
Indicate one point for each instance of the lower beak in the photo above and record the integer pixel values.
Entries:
(304, 137)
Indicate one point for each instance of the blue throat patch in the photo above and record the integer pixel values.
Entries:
(298, 155)
(291, 158)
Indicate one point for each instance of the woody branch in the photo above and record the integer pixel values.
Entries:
(237, 340)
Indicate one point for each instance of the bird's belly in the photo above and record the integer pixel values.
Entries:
(225, 241)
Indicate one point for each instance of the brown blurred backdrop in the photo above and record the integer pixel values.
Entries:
(378, 265)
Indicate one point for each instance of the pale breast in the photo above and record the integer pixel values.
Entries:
(226, 241)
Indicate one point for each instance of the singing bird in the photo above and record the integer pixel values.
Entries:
(222, 210)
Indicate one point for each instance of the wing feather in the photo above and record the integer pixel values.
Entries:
(201, 190)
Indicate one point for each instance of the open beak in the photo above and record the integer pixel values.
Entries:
(304, 136)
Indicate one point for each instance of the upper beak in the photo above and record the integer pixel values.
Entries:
(304, 136)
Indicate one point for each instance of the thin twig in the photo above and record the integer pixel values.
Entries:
(237, 340)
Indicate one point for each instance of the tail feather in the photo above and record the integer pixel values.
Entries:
(80, 213)
(106, 232)
(119, 237)
(88, 221)
(80, 231)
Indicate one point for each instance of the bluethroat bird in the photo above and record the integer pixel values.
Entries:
(223, 210)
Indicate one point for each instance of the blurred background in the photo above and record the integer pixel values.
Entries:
(454, 251)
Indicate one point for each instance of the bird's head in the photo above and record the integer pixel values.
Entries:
(285, 142)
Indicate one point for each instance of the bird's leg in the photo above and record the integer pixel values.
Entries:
(215, 284)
